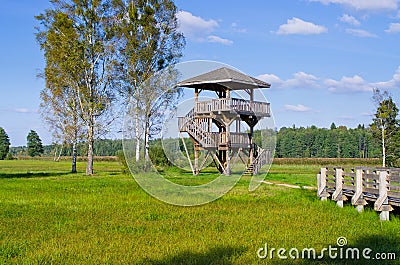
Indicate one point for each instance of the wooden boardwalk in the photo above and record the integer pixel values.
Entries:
(362, 185)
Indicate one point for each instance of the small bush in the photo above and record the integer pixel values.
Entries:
(121, 159)
(10, 157)
(141, 166)
(158, 157)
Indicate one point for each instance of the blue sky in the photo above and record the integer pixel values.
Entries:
(322, 57)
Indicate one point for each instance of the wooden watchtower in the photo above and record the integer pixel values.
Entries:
(222, 112)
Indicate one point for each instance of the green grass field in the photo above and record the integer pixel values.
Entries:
(48, 216)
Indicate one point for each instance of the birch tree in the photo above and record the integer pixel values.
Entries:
(385, 121)
(59, 108)
(159, 96)
(78, 46)
(149, 41)
(59, 99)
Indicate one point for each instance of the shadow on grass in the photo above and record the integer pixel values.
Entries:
(383, 250)
(32, 175)
(217, 255)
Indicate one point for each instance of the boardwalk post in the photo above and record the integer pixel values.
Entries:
(358, 199)
(380, 185)
(382, 203)
(338, 194)
(321, 179)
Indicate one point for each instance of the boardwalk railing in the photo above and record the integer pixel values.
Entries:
(233, 105)
(362, 185)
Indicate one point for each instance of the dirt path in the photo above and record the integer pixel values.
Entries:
(289, 185)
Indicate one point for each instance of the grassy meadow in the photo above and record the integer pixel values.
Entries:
(49, 216)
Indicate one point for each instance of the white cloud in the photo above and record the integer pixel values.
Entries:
(348, 84)
(199, 29)
(195, 27)
(220, 40)
(367, 114)
(22, 110)
(298, 26)
(393, 28)
(346, 118)
(392, 83)
(271, 78)
(237, 29)
(297, 108)
(299, 80)
(303, 79)
(366, 5)
(361, 33)
(350, 20)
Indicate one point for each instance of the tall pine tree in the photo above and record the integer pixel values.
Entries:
(4, 144)
(35, 146)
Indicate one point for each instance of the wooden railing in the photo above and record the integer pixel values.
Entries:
(204, 138)
(362, 184)
(198, 129)
(240, 140)
(233, 104)
(263, 158)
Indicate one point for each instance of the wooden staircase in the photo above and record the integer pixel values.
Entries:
(188, 124)
(216, 141)
(249, 170)
(262, 159)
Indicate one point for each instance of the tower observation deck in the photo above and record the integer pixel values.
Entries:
(221, 113)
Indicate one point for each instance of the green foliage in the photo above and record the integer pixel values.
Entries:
(34, 143)
(4, 144)
(121, 159)
(393, 150)
(385, 127)
(148, 41)
(102, 147)
(386, 114)
(10, 157)
(157, 155)
(323, 162)
(106, 147)
(337, 142)
(79, 53)
(93, 47)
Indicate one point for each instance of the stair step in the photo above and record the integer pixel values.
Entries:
(249, 170)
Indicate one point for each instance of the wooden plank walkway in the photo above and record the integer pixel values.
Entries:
(361, 185)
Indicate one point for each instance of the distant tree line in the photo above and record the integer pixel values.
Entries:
(102, 147)
(381, 139)
(335, 142)
(293, 142)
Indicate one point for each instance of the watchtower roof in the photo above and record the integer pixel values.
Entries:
(225, 77)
